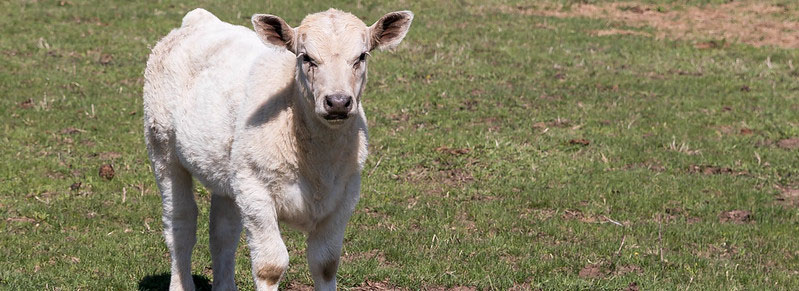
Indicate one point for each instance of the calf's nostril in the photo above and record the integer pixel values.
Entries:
(338, 104)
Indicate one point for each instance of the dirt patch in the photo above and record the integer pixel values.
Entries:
(455, 177)
(297, 286)
(789, 143)
(714, 170)
(464, 221)
(580, 141)
(368, 255)
(27, 104)
(108, 155)
(106, 171)
(72, 130)
(674, 213)
(453, 151)
(732, 130)
(722, 251)
(654, 166)
(21, 219)
(453, 288)
(570, 214)
(615, 31)
(593, 271)
(628, 269)
(75, 186)
(522, 287)
(632, 287)
(788, 196)
(751, 22)
(736, 216)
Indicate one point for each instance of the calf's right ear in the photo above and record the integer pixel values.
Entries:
(273, 30)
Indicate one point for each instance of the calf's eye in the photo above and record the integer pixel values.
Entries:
(360, 60)
(308, 60)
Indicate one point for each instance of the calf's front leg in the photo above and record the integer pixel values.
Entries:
(225, 230)
(324, 248)
(268, 253)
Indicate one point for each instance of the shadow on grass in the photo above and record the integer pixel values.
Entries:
(161, 282)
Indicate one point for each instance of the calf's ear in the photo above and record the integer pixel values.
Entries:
(388, 32)
(273, 30)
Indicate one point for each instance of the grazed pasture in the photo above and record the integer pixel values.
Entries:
(514, 144)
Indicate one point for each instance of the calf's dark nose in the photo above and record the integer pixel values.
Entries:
(338, 105)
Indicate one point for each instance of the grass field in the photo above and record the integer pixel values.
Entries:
(513, 145)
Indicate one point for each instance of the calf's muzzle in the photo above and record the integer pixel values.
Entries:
(338, 106)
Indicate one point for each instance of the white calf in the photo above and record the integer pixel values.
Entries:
(271, 123)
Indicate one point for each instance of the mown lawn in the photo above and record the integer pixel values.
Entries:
(508, 149)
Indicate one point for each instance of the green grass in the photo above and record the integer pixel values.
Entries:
(520, 206)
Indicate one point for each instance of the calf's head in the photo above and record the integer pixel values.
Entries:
(332, 48)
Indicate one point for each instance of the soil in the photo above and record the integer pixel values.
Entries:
(593, 271)
(736, 216)
(106, 171)
(789, 196)
(751, 22)
(789, 143)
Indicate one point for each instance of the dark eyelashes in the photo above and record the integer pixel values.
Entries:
(308, 60)
(311, 62)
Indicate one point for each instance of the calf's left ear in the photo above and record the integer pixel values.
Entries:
(388, 32)
(273, 30)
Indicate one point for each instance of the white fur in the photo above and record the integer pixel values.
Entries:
(226, 106)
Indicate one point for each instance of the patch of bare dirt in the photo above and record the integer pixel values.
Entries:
(72, 130)
(453, 288)
(789, 143)
(559, 122)
(732, 130)
(297, 286)
(674, 212)
(109, 155)
(616, 31)
(578, 215)
(722, 250)
(580, 141)
(736, 216)
(455, 177)
(106, 171)
(654, 166)
(752, 22)
(20, 219)
(453, 151)
(714, 170)
(522, 287)
(788, 196)
(632, 287)
(594, 271)
(628, 269)
(105, 59)
(27, 104)
(368, 255)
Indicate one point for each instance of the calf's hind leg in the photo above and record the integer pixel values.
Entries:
(179, 212)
